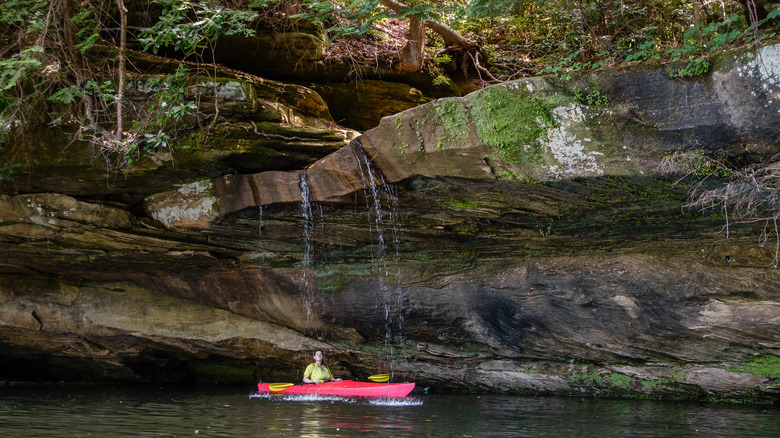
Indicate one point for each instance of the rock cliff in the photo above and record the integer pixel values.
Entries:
(522, 238)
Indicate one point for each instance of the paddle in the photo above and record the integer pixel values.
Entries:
(279, 386)
(379, 378)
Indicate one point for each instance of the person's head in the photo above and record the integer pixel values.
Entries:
(318, 356)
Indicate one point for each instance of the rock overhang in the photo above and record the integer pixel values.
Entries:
(537, 129)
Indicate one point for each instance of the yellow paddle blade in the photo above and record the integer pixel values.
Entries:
(379, 378)
(279, 386)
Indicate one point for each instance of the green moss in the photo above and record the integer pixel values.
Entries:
(399, 121)
(466, 254)
(513, 122)
(464, 204)
(466, 228)
(422, 140)
(620, 380)
(511, 176)
(649, 384)
(527, 180)
(454, 117)
(333, 283)
(764, 366)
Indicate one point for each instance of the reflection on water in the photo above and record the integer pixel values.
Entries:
(230, 412)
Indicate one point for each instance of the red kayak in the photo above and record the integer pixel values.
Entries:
(344, 388)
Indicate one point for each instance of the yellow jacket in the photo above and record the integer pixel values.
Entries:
(314, 372)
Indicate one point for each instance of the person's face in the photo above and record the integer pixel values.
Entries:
(318, 356)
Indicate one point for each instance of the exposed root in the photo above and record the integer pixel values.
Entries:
(751, 196)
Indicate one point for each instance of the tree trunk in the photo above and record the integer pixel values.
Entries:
(120, 93)
(755, 10)
(71, 38)
(413, 53)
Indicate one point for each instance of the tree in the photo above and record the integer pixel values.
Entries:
(355, 17)
(120, 89)
(412, 55)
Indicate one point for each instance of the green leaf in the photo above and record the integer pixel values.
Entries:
(18, 66)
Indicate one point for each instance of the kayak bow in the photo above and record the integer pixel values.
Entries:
(344, 388)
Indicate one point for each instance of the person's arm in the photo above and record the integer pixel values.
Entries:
(307, 375)
(332, 377)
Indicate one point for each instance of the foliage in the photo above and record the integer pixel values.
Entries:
(170, 106)
(18, 66)
(28, 13)
(594, 98)
(88, 24)
(170, 94)
(435, 68)
(41, 64)
(105, 91)
(7, 171)
(357, 17)
(492, 8)
(191, 26)
(703, 39)
(700, 164)
(560, 36)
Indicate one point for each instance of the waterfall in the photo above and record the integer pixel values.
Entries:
(384, 222)
(260, 225)
(384, 229)
(307, 220)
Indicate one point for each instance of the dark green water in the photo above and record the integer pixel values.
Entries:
(234, 412)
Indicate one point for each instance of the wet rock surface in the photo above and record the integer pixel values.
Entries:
(514, 240)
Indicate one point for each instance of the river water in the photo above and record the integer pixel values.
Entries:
(236, 412)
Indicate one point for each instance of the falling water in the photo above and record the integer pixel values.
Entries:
(260, 221)
(384, 226)
(385, 260)
(307, 219)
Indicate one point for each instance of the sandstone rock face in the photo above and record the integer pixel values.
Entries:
(519, 239)
(362, 104)
(263, 125)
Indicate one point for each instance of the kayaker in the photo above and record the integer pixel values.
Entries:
(318, 372)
